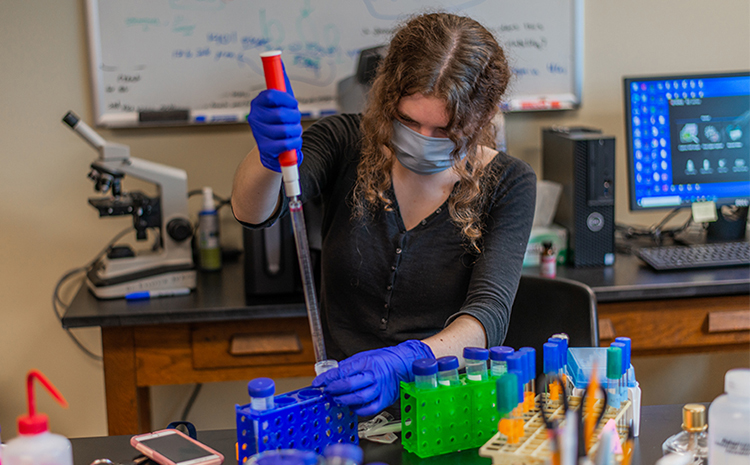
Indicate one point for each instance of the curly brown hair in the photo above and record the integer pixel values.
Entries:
(455, 59)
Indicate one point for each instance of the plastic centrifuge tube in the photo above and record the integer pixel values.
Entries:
(343, 454)
(448, 371)
(529, 367)
(629, 377)
(261, 392)
(274, 74)
(551, 361)
(614, 370)
(508, 407)
(425, 373)
(476, 363)
(498, 357)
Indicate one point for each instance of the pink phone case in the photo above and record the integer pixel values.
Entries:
(135, 441)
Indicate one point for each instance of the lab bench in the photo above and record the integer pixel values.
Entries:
(214, 334)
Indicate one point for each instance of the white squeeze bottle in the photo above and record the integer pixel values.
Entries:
(729, 421)
(35, 445)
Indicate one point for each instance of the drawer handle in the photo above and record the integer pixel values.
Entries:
(266, 343)
(606, 329)
(720, 322)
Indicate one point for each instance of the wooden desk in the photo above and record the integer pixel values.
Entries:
(669, 312)
(188, 339)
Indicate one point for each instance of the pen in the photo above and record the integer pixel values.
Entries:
(143, 295)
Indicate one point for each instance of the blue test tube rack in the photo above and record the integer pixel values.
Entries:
(305, 419)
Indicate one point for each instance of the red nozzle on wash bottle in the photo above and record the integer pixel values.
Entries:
(36, 423)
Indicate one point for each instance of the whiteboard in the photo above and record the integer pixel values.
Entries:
(197, 61)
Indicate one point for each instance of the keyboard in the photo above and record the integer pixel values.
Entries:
(711, 255)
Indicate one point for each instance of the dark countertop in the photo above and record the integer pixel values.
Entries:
(658, 422)
(220, 296)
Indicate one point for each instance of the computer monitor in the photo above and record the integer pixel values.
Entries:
(688, 139)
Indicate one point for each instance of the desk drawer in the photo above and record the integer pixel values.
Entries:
(675, 325)
(251, 343)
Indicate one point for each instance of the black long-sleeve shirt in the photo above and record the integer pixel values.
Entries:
(381, 284)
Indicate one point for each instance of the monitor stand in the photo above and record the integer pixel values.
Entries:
(731, 225)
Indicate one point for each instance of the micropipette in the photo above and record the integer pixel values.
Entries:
(274, 74)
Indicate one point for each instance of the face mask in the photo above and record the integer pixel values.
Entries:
(421, 154)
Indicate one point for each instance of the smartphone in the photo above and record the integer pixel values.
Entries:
(172, 447)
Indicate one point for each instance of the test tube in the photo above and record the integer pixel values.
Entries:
(498, 357)
(448, 371)
(507, 406)
(261, 392)
(343, 454)
(529, 387)
(551, 361)
(622, 388)
(476, 363)
(629, 377)
(425, 373)
(614, 370)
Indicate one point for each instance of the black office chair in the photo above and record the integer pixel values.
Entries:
(545, 306)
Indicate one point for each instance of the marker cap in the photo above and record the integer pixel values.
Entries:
(614, 362)
(507, 393)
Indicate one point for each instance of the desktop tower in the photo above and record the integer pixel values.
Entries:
(583, 161)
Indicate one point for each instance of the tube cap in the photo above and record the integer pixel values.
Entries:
(530, 354)
(500, 353)
(476, 353)
(623, 350)
(515, 362)
(424, 367)
(261, 387)
(551, 357)
(346, 451)
(208, 200)
(614, 362)
(694, 418)
(449, 362)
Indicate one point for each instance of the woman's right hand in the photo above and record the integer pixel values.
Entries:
(276, 124)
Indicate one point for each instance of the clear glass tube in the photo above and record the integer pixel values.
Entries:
(476, 370)
(308, 278)
(425, 381)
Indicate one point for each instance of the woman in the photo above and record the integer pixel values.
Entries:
(424, 225)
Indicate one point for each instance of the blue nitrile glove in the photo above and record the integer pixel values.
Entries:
(368, 381)
(276, 124)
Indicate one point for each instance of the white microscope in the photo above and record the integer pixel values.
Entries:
(169, 264)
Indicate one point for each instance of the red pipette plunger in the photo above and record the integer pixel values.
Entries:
(274, 73)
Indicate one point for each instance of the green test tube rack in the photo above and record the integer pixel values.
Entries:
(448, 418)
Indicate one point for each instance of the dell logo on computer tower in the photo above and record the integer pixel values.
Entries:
(583, 161)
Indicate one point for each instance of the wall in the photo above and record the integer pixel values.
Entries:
(48, 228)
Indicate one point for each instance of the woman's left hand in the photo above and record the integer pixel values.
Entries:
(368, 381)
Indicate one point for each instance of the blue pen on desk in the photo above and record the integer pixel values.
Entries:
(144, 295)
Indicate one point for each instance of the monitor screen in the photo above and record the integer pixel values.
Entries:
(688, 139)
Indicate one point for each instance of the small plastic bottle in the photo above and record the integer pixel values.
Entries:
(476, 363)
(693, 439)
(208, 229)
(261, 392)
(425, 373)
(35, 445)
(498, 360)
(448, 371)
(729, 421)
(548, 261)
(343, 454)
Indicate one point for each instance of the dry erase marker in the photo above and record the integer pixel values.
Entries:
(158, 293)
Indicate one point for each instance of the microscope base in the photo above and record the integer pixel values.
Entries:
(160, 279)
